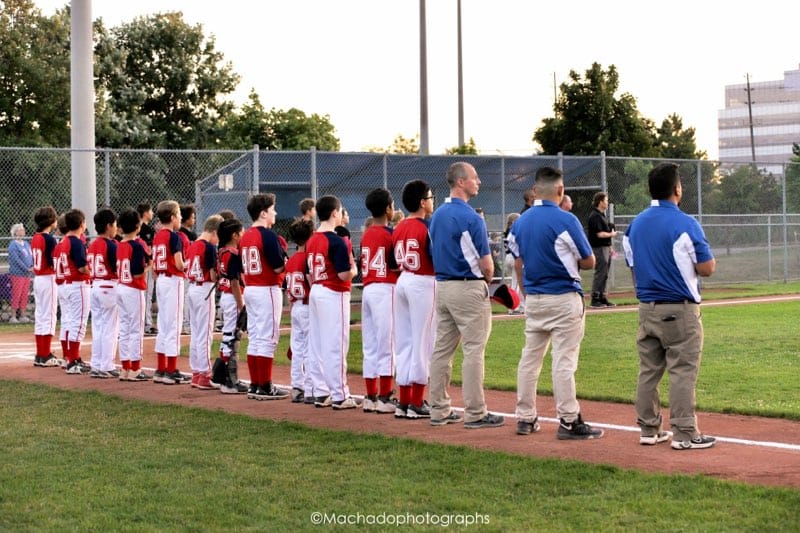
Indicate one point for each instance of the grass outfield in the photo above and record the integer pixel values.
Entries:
(87, 461)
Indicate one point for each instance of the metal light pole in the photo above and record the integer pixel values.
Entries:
(423, 82)
(460, 84)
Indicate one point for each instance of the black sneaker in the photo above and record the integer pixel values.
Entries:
(452, 418)
(605, 301)
(251, 392)
(577, 430)
(174, 378)
(597, 304)
(271, 392)
(233, 388)
(423, 411)
(322, 401)
(526, 428)
(700, 442)
(297, 395)
(488, 421)
(47, 360)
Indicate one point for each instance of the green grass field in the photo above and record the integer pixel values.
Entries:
(87, 461)
(83, 461)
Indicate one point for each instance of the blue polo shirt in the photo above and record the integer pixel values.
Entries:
(459, 239)
(550, 242)
(662, 245)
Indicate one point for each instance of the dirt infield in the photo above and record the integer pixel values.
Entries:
(752, 449)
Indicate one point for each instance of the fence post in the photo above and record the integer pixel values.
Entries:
(769, 247)
(385, 170)
(561, 161)
(256, 174)
(107, 167)
(700, 192)
(314, 172)
(603, 182)
(785, 225)
(503, 209)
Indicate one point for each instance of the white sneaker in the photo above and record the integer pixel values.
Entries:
(650, 440)
(370, 406)
(385, 407)
(24, 320)
(347, 403)
(700, 442)
(13, 320)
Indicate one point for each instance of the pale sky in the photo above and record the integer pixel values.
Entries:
(358, 60)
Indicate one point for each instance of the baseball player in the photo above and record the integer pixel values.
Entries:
(263, 262)
(379, 274)
(308, 381)
(133, 263)
(75, 291)
(414, 304)
(331, 268)
(169, 266)
(201, 270)
(231, 303)
(45, 290)
(146, 233)
(102, 261)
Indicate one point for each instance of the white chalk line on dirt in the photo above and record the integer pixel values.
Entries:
(616, 427)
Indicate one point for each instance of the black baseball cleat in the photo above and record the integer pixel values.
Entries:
(577, 430)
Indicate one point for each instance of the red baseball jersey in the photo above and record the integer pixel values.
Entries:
(166, 244)
(71, 257)
(261, 254)
(327, 256)
(42, 246)
(229, 268)
(378, 264)
(412, 246)
(297, 287)
(201, 259)
(102, 259)
(132, 259)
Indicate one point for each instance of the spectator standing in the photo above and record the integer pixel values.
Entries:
(308, 210)
(188, 236)
(566, 203)
(600, 235)
(20, 266)
(550, 248)
(464, 268)
(527, 197)
(667, 251)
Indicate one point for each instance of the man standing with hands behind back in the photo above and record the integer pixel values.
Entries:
(550, 248)
(600, 235)
(464, 268)
(667, 251)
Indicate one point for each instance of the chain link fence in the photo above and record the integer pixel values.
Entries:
(749, 215)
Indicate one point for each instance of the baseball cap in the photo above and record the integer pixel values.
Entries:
(505, 295)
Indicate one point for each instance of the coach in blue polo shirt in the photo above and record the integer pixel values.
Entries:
(464, 268)
(550, 248)
(667, 251)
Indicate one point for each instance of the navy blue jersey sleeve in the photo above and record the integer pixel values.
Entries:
(49, 245)
(210, 259)
(175, 242)
(111, 245)
(337, 250)
(273, 252)
(138, 258)
(77, 251)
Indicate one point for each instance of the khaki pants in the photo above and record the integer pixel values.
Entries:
(463, 314)
(558, 318)
(670, 338)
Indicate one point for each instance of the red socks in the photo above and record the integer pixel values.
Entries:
(372, 387)
(135, 365)
(172, 364)
(386, 385)
(417, 394)
(161, 366)
(126, 365)
(405, 394)
(252, 368)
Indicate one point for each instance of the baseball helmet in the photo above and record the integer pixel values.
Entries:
(505, 295)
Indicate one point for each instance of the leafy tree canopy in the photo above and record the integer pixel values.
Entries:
(590, 118)
(468, 148)
(400, 145)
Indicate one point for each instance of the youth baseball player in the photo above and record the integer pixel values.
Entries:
(169, 268)
(331, 269)
(308, 381)
(102, 262)
(379, 274)
(201, 270)
(45, 290)
(414, 303)
(133, 263)
(225, 371)
(72, 260)
(263, 262)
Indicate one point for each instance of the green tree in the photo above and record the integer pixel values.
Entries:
(590, 118)
(675, 142)
(467, 148)
(400, 145)
(164, 84)
(34, 75)
(793, 181)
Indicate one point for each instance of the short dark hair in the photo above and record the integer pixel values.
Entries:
(129, 220)
(44, 217)
(377, 201)
(598, 197)
(143, 208)
(258, 203)
(326, 206)
(306, 205)
(226, 230)
(187, 210)
(227, 214)
(413, 193)
(73, 219)
(662, 180)
(301, 230)
(548, 175)
(104, 218)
